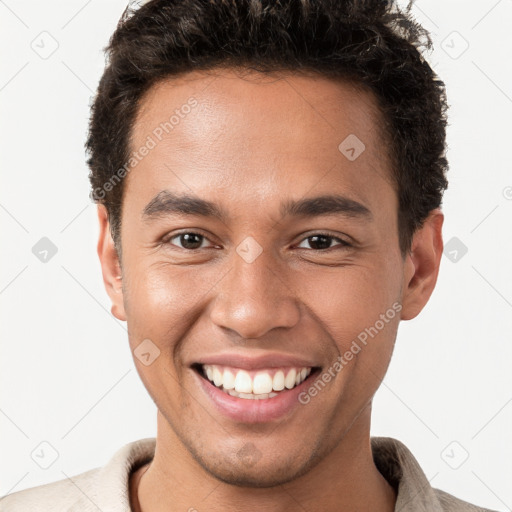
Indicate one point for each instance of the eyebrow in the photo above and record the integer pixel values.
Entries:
(167, 203)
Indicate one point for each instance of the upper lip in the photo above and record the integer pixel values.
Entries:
(247, 362)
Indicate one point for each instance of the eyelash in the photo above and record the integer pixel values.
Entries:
(343, 243)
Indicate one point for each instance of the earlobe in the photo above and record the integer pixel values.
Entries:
(110, 266)
(421, 267)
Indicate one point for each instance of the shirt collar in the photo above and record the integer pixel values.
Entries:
(399, 467)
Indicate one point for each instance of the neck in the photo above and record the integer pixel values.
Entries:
(346, 479)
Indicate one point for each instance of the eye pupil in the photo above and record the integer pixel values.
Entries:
(187, 239)
(320, 241)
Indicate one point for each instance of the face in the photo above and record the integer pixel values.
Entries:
(258, 253)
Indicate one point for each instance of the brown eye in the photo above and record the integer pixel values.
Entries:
(189, 240)
(321, 241)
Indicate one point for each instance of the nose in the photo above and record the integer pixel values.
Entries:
(254, 298)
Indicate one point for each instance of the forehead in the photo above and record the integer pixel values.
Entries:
(222, 130)
(228, 98)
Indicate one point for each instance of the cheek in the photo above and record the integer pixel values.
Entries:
(359, 310)
(158, 299)
(161, 300)
(351, 298)
(360, 313)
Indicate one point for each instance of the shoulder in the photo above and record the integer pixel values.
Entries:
(401, 469)
(102, 488)
(450, 503)
(62, 495)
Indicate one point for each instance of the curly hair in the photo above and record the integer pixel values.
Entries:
(373, 43)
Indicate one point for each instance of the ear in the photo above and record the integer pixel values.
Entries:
(422, 265)
(110, 266)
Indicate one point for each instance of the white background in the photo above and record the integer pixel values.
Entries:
(67, 376)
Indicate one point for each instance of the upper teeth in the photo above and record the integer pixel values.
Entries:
(259, 382)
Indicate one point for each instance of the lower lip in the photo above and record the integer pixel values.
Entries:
(249, 410)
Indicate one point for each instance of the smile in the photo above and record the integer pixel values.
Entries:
(255, 385)
(253, 389)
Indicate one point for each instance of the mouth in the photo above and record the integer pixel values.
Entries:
(261, 384)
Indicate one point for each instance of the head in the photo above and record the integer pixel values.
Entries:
(269, 179)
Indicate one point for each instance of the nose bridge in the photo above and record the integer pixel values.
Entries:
(253, 298)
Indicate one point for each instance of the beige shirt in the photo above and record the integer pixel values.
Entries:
(106, 488)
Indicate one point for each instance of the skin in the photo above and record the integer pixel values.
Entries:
(249, 143)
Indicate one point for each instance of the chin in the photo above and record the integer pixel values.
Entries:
(249, 468)
(263, 477)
